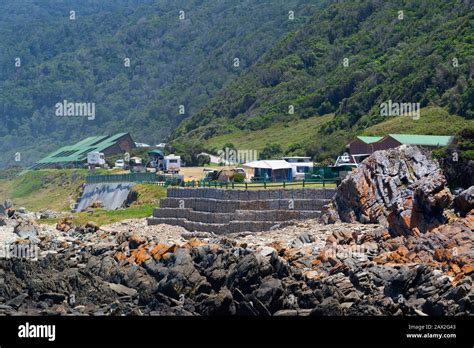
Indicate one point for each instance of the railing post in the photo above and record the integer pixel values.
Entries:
(303, 183)
(265, 184)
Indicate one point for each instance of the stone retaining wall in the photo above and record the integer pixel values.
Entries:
(225, 211)
(227, 206)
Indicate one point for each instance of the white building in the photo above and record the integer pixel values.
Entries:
(269, 170)
(300, 165)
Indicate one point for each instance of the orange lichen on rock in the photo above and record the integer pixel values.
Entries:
(140, 255)
(160, 250)
(194, 242)
(120, 256)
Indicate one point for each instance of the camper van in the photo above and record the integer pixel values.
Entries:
(171, 164)
(300, 165)
(95, 159)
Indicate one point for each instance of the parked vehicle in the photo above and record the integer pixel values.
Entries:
(141, 145)
(96, 159)
(171, 164)
(300, 166)
(120, 164)
(136, 165)
(350, 160)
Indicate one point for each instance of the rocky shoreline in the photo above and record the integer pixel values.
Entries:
(306, 269)
(399, 244)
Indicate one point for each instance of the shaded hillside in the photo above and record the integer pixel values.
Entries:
(173, 61)
(409, 60)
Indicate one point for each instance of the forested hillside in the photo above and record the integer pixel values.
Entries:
(176, 59)
(347, 60)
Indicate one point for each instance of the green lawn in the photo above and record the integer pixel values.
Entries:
(104, 217)
(44, 189)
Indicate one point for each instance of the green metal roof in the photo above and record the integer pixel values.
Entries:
(368, 139)
(78, 152)
(156, 152)
(423, 140)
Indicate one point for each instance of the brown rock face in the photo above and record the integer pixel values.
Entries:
(402, 189)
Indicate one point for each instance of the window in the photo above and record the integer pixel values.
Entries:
(300, 169)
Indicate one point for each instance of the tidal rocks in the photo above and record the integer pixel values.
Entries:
(464, 202)
(402, 189)
(306, 269)
(26, 230)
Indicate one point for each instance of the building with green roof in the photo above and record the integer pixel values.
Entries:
(365, 145)
(73, 156)
(369, 139)
(362, 145)
(422, 140)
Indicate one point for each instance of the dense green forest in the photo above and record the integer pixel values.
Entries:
(178, 62)
(347, 60)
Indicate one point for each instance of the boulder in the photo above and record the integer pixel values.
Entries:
(402, 189)
(26, 230)
(52, 296)
(122, 290)
(270, 293)
(464, 202)
(49, 214)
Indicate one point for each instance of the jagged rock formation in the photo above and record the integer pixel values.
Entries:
(308, 269)
(402, 189)
(464, 202)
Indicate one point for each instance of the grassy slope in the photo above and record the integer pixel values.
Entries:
(57, 189)
(44, 189)
(284, 134)
(433, 120)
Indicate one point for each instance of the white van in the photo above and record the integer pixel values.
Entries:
(96, 159)
(172, 164)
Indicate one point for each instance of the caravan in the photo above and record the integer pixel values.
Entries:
(300, 166)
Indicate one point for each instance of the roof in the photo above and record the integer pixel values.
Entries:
(369, 139)
(78, 152)
(297, 157)
(156, 153)
(423, 140)
(269, 164)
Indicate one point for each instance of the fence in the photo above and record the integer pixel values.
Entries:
(328, 173)
(151, 178)
(161, 180)
(264, 184)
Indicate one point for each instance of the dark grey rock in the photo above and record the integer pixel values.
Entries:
(26, 230)
(464, 202)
